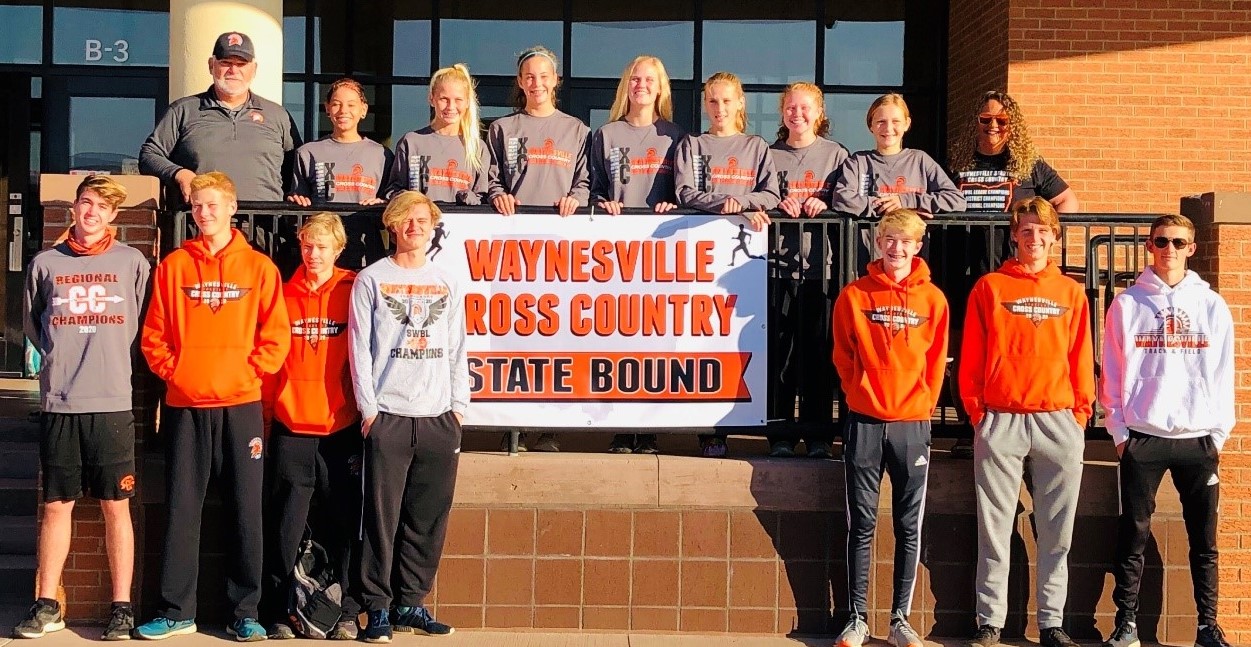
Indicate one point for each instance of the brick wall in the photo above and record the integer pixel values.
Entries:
(86, 578)
(977, 56)
(1222, 259)
(1135, 102)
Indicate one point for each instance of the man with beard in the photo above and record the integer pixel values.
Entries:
(226, 128)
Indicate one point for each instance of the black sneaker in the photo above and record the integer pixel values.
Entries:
(1055, 637)
(547, 443)
(621, 444)
(985, 636)
(378, 628)
(419, 621)
(121, 623)
(646, 444)
(1124, 635)
(1211, 636)
(782, 449)
(44, 616)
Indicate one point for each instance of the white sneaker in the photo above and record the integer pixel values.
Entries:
(902, 634)
(854, 634)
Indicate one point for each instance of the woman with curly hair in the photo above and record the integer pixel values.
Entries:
(994, 164)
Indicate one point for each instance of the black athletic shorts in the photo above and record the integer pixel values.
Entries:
(88, 453)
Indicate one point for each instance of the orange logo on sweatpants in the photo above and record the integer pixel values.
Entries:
(127, 483)
(254, 448)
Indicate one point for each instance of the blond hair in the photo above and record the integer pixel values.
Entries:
(1036, 206)
(215, 180)
(109, 190)
(518, 98)
(664, 100)
(324, 224)
(905, 221)
(823, 124)
(470, 126)
(1022, 155)
(404, 202)
(888, 99)
(740, 120)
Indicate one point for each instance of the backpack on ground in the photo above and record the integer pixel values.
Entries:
(315, 601)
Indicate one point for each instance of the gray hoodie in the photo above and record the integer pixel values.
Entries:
(709, 168)
(435, 165)
(539, 160)
(634, 165)
(82, 313)
(918, 180)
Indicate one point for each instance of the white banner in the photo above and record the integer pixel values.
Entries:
(627, 321)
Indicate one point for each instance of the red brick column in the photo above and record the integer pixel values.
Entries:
(1224, 260)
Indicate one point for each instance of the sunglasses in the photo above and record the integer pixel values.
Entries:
(985, 119)
(1161, 242)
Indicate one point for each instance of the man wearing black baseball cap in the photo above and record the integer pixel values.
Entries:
(226, 128)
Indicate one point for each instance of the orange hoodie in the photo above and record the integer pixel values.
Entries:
(890, 343)
(1027, 344)
(216, 323)
(312, 394)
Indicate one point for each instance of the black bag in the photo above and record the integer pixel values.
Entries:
(315, 601)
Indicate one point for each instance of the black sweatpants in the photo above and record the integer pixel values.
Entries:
(799, 355)
(223, 444)
(302, 470)
(1193, 463)
(410, 475)
(901, 450)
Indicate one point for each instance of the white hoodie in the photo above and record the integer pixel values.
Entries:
(1168, 361)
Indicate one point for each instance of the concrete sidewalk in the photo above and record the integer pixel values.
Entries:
(83, 636)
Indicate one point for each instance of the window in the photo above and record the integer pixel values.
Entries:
(118, 37)
(607, 36)
(23, 41)
(487, 35)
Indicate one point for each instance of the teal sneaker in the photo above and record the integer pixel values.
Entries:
(160, 628)
(246, 630)
(419, 621)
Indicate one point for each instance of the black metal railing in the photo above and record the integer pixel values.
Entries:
(810, 260)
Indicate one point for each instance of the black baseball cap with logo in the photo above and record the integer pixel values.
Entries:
(234, 43)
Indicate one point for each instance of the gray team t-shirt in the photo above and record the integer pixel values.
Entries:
(708, 169)
(331, 171)
(539, 160)
(634, 164)
(918, 180)
(808, 172)
(436, 165)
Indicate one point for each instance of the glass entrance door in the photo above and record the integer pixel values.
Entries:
(98, 123)
(19, 200)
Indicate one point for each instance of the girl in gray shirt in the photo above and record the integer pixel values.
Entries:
(342, 166)
(632, 155)
(725, 170)
(538, 154)
(447, 159)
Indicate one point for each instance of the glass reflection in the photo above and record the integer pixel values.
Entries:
(602, 49)
(846, 113)
(410, 48)
(293, 35)
(410, 110)
(105, 131)
(760, 51)
(23, 38)
(491, 46)
(864, 53)
(110, 37)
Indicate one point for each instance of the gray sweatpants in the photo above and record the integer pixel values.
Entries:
(1054, 443)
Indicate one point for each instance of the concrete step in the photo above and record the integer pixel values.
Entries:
(19, 460)
(19, 430)
(19, 535)
(18, 574)
(18, 497)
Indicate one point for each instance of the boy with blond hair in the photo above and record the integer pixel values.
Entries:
(410, 374)
(890, 348)
(82, 304)
(216, 325)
